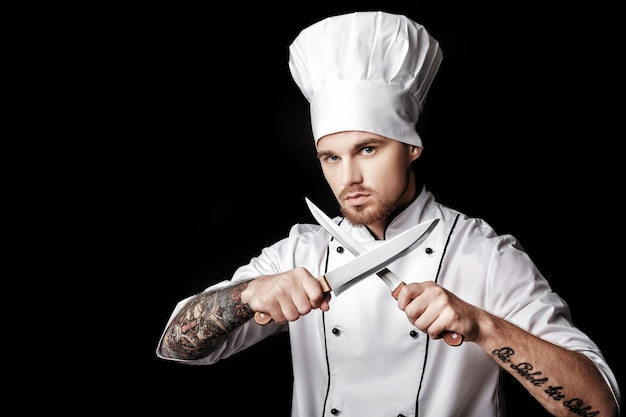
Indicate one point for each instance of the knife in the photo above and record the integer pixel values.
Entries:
(341, 278)
(394, 282)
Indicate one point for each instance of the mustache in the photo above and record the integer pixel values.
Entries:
(352, 190)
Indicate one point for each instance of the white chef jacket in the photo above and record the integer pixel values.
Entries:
(364, 358)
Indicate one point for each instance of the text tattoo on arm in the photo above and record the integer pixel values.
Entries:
(205, 321)
(525, 370)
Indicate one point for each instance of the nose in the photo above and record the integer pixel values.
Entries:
(351, 173)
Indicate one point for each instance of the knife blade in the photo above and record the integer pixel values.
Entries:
(366, 264)
(393, 281)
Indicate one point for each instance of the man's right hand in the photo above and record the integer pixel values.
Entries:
(286, 296)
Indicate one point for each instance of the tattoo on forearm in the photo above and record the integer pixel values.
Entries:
(205, 322)
(525, 370)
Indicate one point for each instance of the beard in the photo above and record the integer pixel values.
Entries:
(381, 209)
(364, 215)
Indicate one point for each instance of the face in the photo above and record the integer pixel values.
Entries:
(369, 174)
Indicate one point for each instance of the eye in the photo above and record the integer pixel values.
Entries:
(368, 150)
(331, 158)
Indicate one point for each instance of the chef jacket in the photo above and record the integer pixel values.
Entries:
(364, 358)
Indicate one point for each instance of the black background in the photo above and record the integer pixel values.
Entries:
(212, 156)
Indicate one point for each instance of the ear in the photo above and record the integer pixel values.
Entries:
(415, 152)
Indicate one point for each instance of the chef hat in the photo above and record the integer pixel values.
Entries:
(367, 71)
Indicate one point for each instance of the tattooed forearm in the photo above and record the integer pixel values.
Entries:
(205, 322)
(526, 372)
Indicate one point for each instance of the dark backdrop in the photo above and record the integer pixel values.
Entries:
(520, 128)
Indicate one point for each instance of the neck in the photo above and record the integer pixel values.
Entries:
(378, 227)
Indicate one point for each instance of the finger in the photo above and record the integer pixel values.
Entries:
(408, 293)
(325, 306)
(314, 292)
(292, 307)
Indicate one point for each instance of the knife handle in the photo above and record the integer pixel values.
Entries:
(451, 338)
(264, 318)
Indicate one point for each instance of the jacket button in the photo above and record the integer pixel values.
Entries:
(429, 250)
(336, 331)
(334, 412)
(339, 249)
(413, 333)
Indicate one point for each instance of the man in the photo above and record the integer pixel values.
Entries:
(364, 353)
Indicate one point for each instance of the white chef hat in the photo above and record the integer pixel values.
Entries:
(367, 71)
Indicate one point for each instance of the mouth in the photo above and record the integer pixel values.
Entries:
(356, 199)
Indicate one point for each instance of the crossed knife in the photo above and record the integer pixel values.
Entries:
(369, 262)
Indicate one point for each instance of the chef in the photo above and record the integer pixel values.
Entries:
(365, 352)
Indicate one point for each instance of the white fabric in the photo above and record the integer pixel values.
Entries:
(368, 71)
(374, 366)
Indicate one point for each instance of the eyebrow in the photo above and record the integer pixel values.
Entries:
(360, 144)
